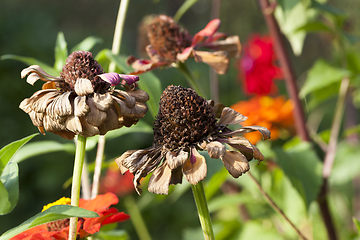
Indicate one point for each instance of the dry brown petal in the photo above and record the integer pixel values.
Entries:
(36, 118)
(40, 103)
(215, 149)
(119, 160)
(110, 123)
(136, 160)
(25, 106)
(264, 131)
(136, 112)
(83, 87)
(60, 106)
(243, 145)
(80, 106)
(139, 95)
(195, 168)
(95, 116)
(125, 97)
(88, 130)
(37, 73)
(176, 159)
(153, 55)
(52, 125)
(160, 180)
(218, 60)
(73, 124)
(103, 101)
(236, 163)
(176, 176)
(231, 45)
(230, 116)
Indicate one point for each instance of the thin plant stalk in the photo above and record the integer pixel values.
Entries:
(98, 163)
(335, 128)
(190, 78)
(76, 182)
(119, 27)
(136, 218)
(275, 207)
(183, 9)
(203, 210)
(85, 182)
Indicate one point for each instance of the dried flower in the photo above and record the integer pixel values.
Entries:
(59, 229)
(258, 68)
(273, 113)
(83, 100)
(170, 43)
(186, 123)
(117, 183)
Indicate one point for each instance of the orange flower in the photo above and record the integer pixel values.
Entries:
(115, 182)
(86, 226)
(273, 113)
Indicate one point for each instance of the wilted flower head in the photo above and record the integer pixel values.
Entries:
(170, 43)
(83, 101)
(186, 123)
(59, 230)
(276, 114)
(258, 67)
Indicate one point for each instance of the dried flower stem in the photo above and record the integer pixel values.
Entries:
(203, 211)
(136, 218)
(98, 163)
(85, 182)
(190, 78)
(76, 182)
(275, 207)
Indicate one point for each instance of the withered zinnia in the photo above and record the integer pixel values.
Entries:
(187, 123)
(170, 43)
(83, 100)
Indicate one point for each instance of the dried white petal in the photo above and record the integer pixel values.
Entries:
(80, 106)
(176, 159)
(215, 149)
(195, 168)
(236, 163)
(83, 87)
(160, 180)
(103, 101)
(230, 116)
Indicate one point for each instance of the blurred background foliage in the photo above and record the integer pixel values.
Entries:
(30, 28)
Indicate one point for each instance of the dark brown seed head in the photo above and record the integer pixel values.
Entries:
(81, 64)
(167, 38)
(184, 118)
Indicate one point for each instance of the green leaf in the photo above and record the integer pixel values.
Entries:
(323, 94)
(148, 82)
(7, 152)
(32, 61)
(357, 225)
(303, 167)
(322, 75)
(5, 204)
(215, 182)
(112, 235)
(287, 5)
(314, 27)
(290, 22)
(87, 44)
(61, 52)
(10, 179)
(42, 147)
(141, 127)
(183, 9)
(52, 214)
(327, 8)
(228, 200)
(346, 164)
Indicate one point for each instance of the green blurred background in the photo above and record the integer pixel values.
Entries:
(30, 28)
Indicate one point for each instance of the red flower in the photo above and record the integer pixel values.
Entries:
(86, 226)
(258, 69)
(115, 182)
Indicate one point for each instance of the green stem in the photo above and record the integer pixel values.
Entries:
(183, 9)
(190, 78)
(136, 218)
(203, 211)
(76, 182)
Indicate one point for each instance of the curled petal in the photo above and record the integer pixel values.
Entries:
(263, 130)
(129, 79)
(176, 159)
(231, 45)
(139, 95)
(215, 149)
(125, 97)
(110, 123)
(37, 73)
(83, 87)
(80, 106)
(160, 180)
(60, 106)
(236, 163)
(52, 125)
(103, 101)
(230, 116)
(114, 78)
(40, 103)
(218, 60)
(119, 160)
(195, 168)
(184, 55)
(208, 31)
(36, 118)
(73, 124)
(88, 130)
(143, 65)
(95, 116)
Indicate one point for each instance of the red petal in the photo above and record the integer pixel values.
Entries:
(100, 203)
(208, 31)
